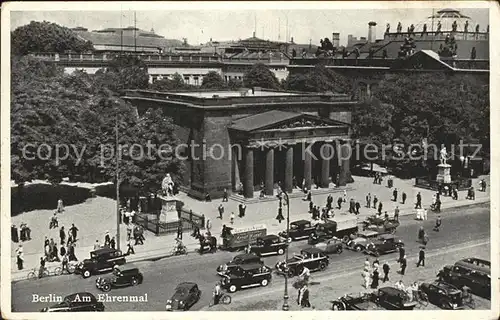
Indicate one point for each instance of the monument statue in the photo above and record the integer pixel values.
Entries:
(443, 155)
(167, 185)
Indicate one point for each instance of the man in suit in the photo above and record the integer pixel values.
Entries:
(421, 257)
(386, 270)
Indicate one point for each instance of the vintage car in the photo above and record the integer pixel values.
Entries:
(361, 240)
(385, 243)
(471, 272)
(269, 245)
(123, 276)
(185, 296)
(322, 232)
(384, 298)
(312, 258)
(381, 225)
(76, 302)
(101, 260)
(247, 276)
(300, 229)
(443, 295)
(331, 246)
(244, 258)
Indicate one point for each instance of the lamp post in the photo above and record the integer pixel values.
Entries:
(285, 295)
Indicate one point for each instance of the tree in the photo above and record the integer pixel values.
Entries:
(319, 79)
(260, 76)
(213, 80)
(46, 37)
(166, 84)
(124, 72)
(234, 84)
(372, 121)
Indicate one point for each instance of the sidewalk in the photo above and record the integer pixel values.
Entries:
(97, 215)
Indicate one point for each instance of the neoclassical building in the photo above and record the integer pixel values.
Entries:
(251, 140)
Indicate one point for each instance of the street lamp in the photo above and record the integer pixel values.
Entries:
(285, 296)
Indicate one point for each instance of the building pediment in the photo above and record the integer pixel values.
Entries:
(423, 60)
(281, 120)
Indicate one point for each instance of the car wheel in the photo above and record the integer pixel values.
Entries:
(134, 281)
(445, 304)
(339, 250)
(322, 266)
(345, 238)
(376, 253)
(106, 287)
(264, 282)
(358, 248)
(281, 251)
(232, 288)
(289, 240)
(86, 274)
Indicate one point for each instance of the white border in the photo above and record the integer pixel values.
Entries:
(5, 286)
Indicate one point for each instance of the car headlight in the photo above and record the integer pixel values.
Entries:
(181, 303)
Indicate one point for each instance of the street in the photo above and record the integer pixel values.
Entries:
(465, 232)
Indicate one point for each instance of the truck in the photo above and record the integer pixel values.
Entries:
(238, 238)
(341, 228)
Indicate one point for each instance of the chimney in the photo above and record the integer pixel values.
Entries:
(254, 34)
(371, 31)
(291, 40)
(336, 39)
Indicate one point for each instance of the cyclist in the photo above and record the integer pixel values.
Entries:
(42, 267)
(305, 275)
(217, 293)
(180, 246)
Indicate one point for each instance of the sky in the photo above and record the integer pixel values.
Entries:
(233, 23)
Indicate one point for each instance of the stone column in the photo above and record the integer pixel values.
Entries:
(289, 169)
(345, 174)
(248, 183)
(326, 155)
(307, 168)
(269, 183)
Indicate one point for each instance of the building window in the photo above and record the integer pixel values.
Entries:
(186, 80)
(196, 81)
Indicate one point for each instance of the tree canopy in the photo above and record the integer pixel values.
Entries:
(213, 80)
(77, 114)
(124, 72)
(46, 37)
(260, 76)
(318, 79)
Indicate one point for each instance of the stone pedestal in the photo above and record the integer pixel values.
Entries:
(168, 211)
(443, 175)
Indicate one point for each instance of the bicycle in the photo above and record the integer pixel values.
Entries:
(224, 299)
(177, 251)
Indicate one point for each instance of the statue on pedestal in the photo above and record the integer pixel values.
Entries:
(443, 155)
(167, 185)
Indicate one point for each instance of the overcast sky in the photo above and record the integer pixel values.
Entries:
(232, 23)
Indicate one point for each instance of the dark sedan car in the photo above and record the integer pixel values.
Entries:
(123, 276)
(269, 245)
(185, 296)
(244, 258)
(299, 230)
(77, 302)
(330, 246)
(443, 295)
(385, 243)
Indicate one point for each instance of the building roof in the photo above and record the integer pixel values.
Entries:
(262, 120)
(115, 39)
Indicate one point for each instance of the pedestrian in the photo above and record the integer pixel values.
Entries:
(309, 196)
(209, 225)
(366, 278)
(396, 213)
(62, 251)
(329, 201)
(380, 207)
(42, 267)
(418, 205)
(107, 239)
(375, 264)
(179, 231)
(368, 200)
(401, 253)
(74, 231)
(357, 206)
(65, 263)
(375, 279)
(311, 206)
(386, 268)
(97, 245)
(280, 215)
(130, 246)
(344, 198)
(351, 206)
(232, 218)
(224, 197)
(438, 205)
(403, 197)
(243, 210)
(438, 224)
(367, 264)
(62, 235)
(71, 253)
(386, 216)
(421, 257)
(305, 297)
(15, 234)
(207, 197)
(395, 195)
(60, 207)
(375, 200)
(455, 194)
(400, 285)
(221, 211)
(20, 257)
(339, 203)
(403, 265)
(112, 243)
(129, 231)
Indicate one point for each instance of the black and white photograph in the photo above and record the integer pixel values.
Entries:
(208, 157)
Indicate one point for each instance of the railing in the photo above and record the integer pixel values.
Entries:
(459, 35)
(188, 219)
(428, 183)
